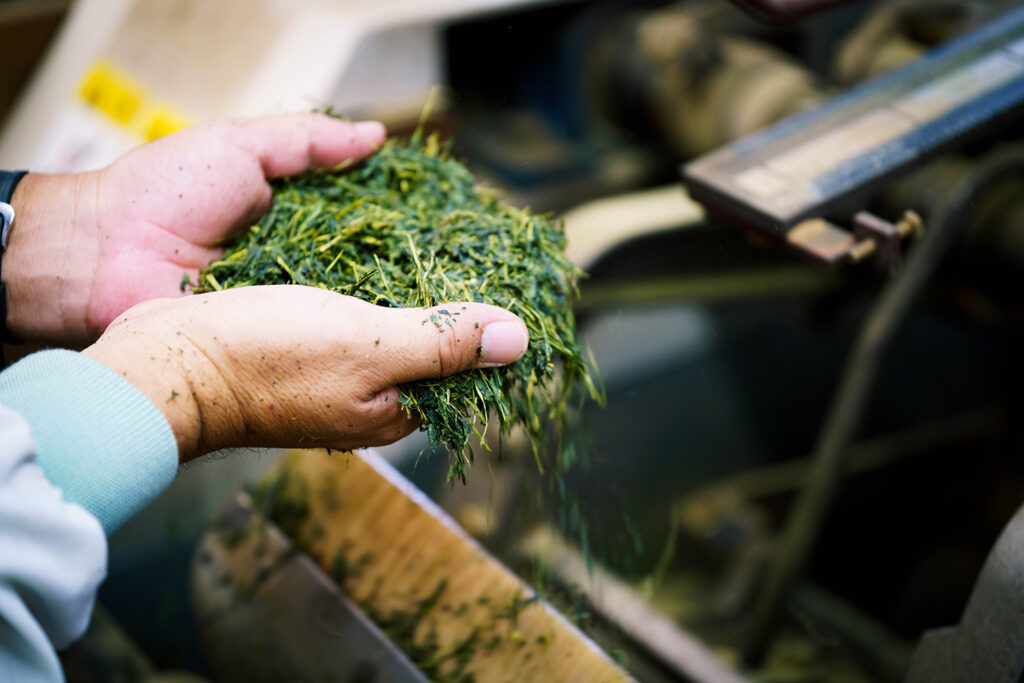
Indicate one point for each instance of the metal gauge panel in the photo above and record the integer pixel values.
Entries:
(806, 165)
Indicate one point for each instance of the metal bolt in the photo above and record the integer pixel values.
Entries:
(862, 250)
(910, 224)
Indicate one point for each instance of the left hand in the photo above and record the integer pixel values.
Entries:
(87, 246)
(287, 366)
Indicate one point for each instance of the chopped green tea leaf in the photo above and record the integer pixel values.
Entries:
(409, 227)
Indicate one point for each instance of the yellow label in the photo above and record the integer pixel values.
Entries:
(112, 92)
(161, 121)
(128, 103)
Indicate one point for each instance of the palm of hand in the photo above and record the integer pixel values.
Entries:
(168, 206)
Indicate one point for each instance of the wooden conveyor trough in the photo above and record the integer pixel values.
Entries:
(269, 607)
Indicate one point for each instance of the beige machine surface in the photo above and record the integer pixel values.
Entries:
(126, 71)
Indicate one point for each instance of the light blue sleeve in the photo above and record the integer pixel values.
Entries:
(53, 556)
(79, 447)
(99, 439)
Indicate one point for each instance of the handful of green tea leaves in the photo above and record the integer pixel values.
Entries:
(409, 227)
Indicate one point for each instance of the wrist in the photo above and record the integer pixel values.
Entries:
(179, 379)
(50, 258)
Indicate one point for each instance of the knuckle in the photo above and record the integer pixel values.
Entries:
(381, 408)
(392, 431)
(450, 353)
(264, 197)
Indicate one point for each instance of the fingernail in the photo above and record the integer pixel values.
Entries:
(371, 130)
(503, 343)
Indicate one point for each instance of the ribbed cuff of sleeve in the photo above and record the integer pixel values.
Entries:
(100, 440)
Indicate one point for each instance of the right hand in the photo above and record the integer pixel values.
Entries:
(294, 366)
(88, 246)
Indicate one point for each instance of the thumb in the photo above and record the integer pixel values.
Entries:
(288, 144)
(449, 338)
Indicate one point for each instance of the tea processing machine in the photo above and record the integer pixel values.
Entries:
(785, 179)
(803, 223)
(794, 184)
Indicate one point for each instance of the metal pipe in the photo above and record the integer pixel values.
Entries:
(863, 366)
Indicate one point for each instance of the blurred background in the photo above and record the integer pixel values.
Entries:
(722, 352)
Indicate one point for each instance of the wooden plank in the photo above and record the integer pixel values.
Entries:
(412, 568)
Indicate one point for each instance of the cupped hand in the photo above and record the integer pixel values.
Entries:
(88, 246)
(295, 366)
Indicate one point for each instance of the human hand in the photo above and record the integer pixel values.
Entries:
(87, 246)
(292, 366)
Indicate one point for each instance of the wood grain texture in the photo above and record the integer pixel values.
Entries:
(391, 550)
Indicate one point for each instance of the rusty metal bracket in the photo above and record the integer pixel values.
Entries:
(881, 240)
(821, 241)
(872, 239)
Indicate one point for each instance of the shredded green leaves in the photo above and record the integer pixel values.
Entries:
(410, 228)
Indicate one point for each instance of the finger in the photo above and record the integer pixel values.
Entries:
(288, 144)
(399, 429)
(397, 425)
(448, 338)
